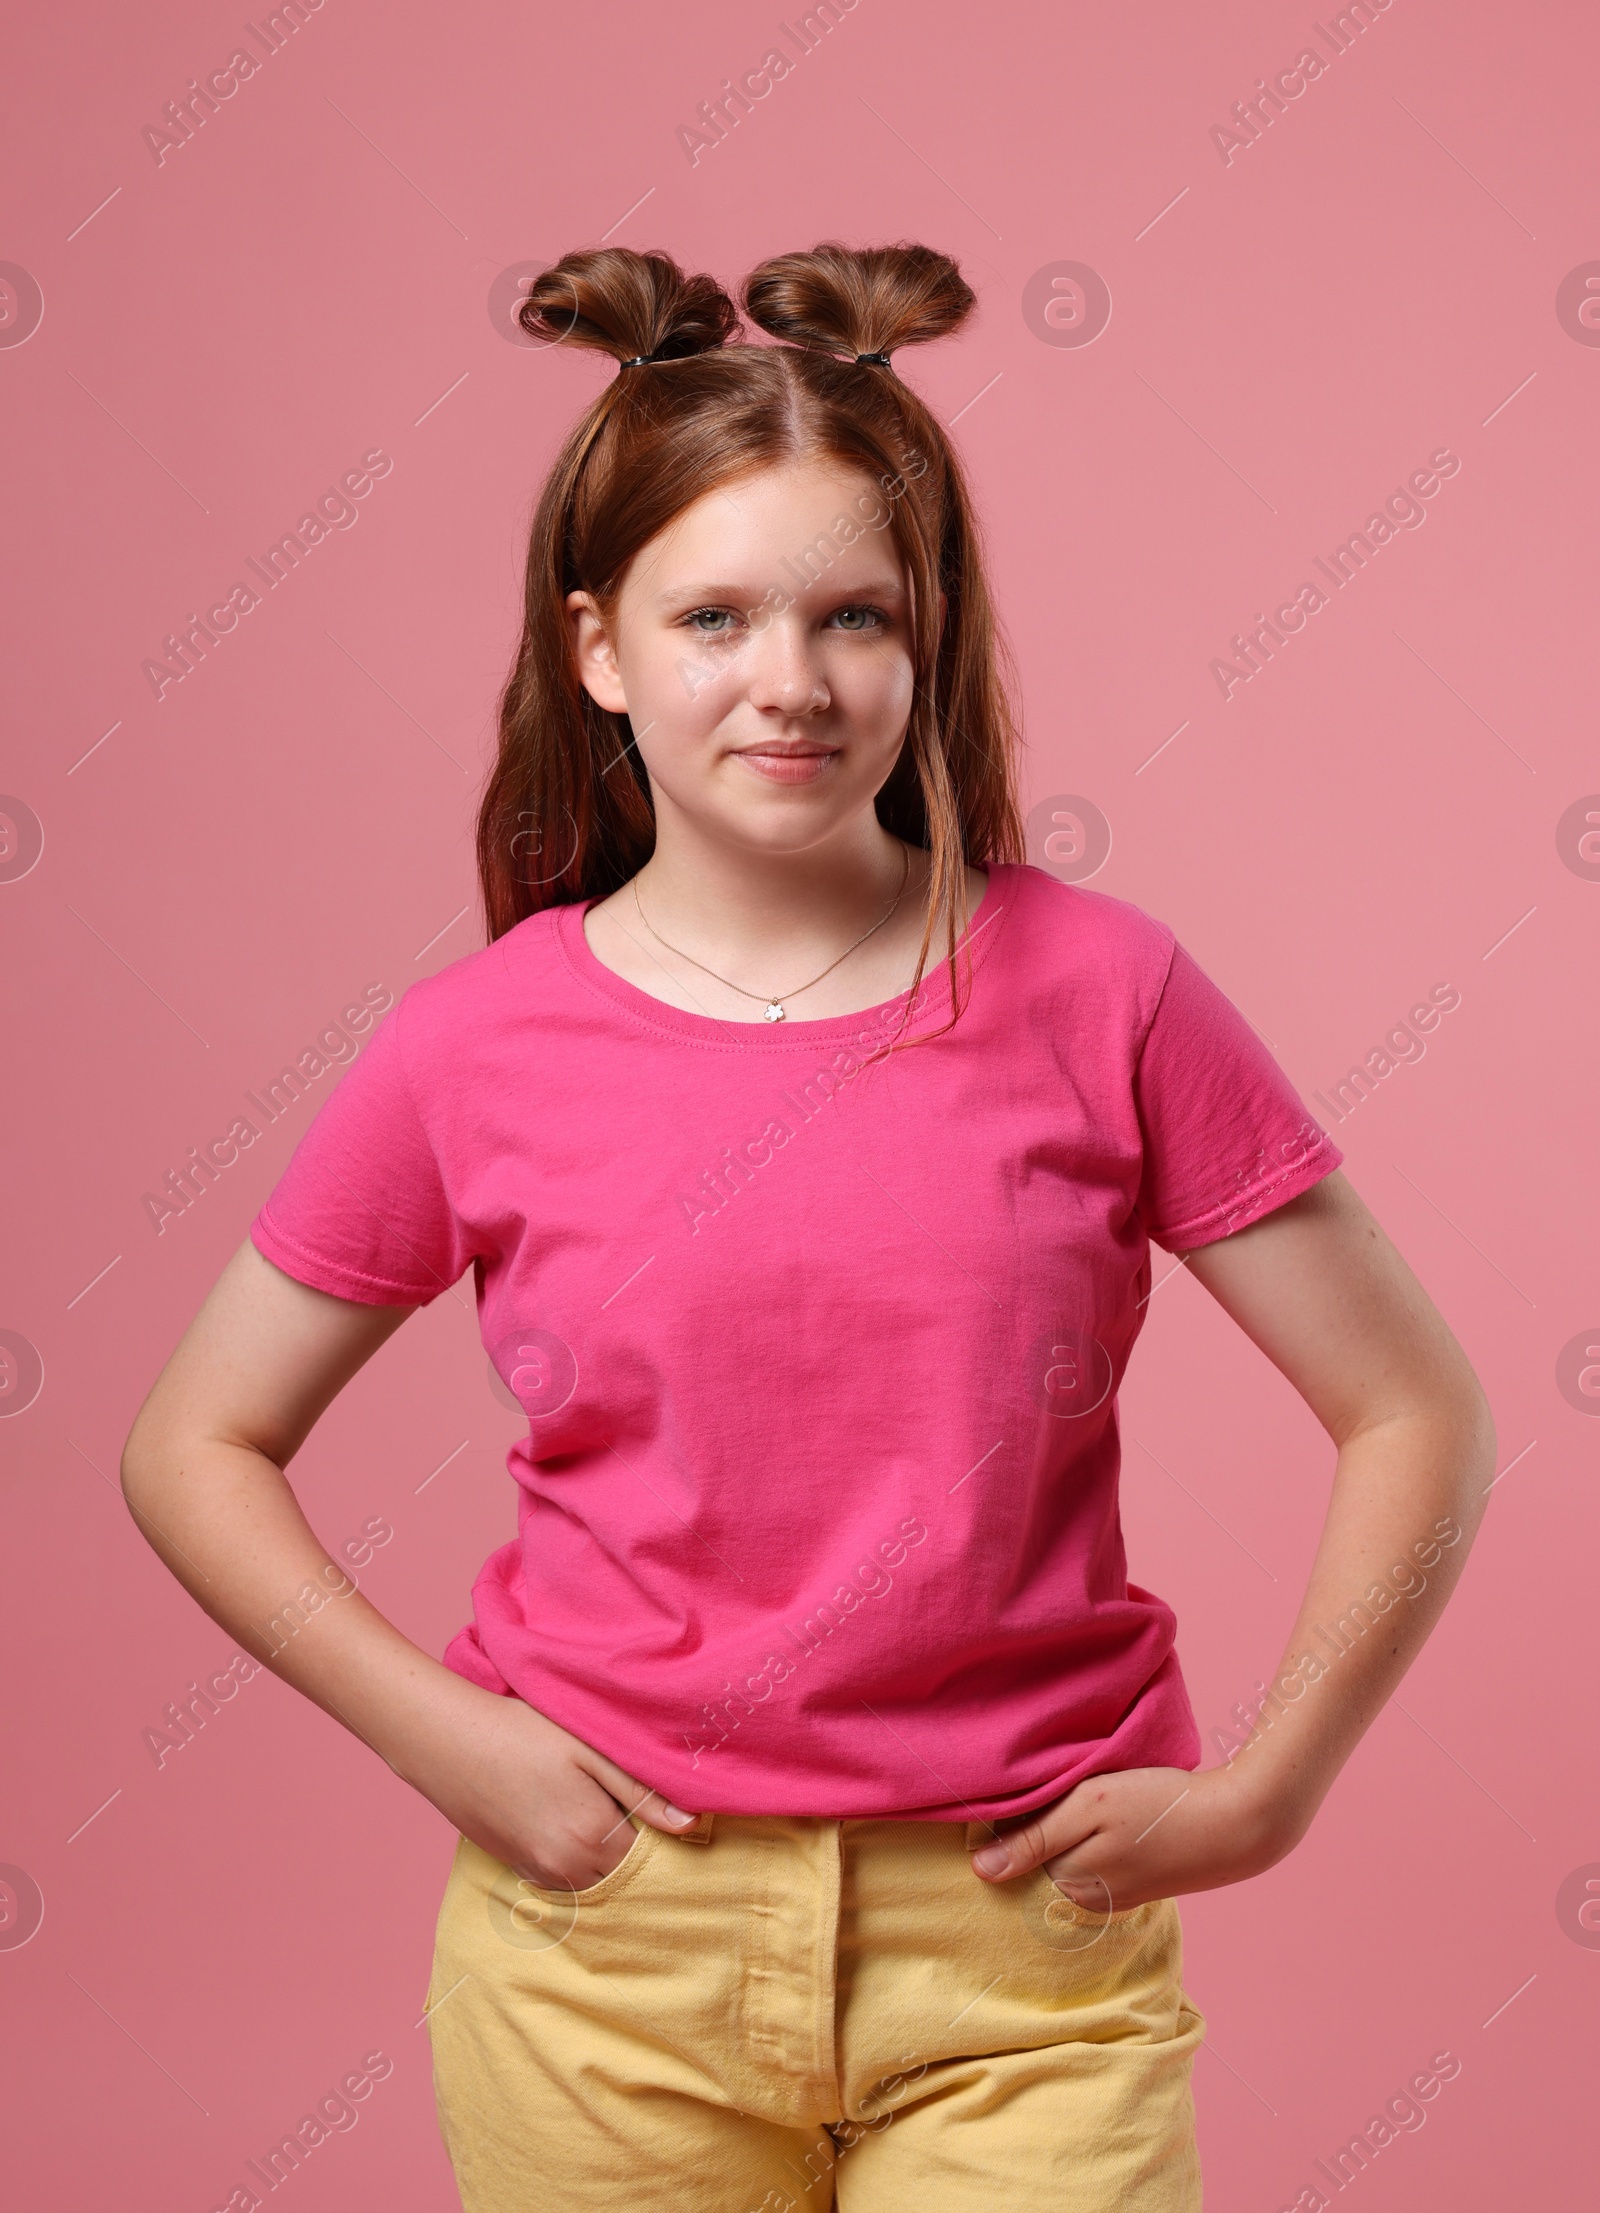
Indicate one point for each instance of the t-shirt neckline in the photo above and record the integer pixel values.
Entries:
(934, 992)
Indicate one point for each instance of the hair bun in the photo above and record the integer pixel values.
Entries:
(871, 299)
(626, 304)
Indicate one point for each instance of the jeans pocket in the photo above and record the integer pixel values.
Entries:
(1059, 1921)
(536, 1919)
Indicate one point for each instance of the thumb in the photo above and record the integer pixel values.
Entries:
(638, 1798)
(1018, 1851)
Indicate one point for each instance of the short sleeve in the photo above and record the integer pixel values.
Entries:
(1226, 1135)
(361, 1210)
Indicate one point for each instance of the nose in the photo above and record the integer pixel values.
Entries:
(786, 677)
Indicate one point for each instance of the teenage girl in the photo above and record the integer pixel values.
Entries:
(824, 1786)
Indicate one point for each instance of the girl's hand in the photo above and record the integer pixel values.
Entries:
(539, 1799)
(1119, 1840)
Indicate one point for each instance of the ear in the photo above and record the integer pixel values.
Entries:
(594, 655)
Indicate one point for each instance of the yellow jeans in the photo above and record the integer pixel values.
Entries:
(777, 2013)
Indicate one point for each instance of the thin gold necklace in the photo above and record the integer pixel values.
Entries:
(774, 1010)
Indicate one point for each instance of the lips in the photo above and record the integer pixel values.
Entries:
(788, 764)
(808, 747)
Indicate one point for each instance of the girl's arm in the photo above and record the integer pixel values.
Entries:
(203, 1473)
(1329, 1300)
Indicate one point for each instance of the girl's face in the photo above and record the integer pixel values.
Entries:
(761, 647)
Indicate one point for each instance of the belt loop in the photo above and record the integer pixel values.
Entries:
(700, 1833)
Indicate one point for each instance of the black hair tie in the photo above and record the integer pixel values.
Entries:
(880, 359)
(676, 348)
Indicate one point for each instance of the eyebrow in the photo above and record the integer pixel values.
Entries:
(702, 594)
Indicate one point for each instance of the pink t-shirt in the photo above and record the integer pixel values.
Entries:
(820, 1349)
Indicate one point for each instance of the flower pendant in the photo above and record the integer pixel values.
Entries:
(773, 1013)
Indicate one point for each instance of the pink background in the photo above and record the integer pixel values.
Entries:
(1293, 332)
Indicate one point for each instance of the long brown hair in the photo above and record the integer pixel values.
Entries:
(566, 814)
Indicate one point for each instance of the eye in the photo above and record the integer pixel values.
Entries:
(860, 620)
(710, 622)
